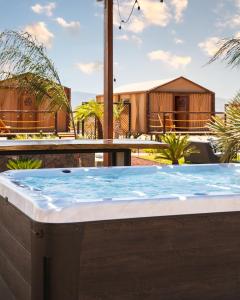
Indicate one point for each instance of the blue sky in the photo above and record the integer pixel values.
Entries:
(161, 41)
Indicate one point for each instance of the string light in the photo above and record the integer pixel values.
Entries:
(126, 20)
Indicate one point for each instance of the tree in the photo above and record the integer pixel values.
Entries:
(24, 163)
(22, 58)
(228, 131)
(179, 147)
(117, 112)
(91, 109)
(95, 109)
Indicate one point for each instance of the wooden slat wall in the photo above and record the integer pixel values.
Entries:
(200, 103)
(181, 85)
(27, 102)
(63, 118)
(161, 102)
(138, 102)
(171, 258)
(15, 256)
(45, 119)
(14, 99)
(8, 101)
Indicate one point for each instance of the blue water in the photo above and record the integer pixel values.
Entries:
(56, 189)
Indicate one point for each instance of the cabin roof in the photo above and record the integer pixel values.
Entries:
(12, 82)
(140, 86)
(148, 86)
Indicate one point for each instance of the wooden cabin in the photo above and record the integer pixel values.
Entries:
(165, 105)
(20, 113)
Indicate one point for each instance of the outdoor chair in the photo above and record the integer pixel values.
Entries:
(169, 124)
(4, 128)
(156, 124)
(206, 154)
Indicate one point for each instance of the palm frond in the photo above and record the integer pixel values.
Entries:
(228, 130)
(23, 60)
(179, 147)
(24, 163)
(229, 51)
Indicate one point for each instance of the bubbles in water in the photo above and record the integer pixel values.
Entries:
(51, 189)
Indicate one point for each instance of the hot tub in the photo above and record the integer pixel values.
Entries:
(120, 233)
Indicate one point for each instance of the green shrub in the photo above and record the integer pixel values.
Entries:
(179, 148)
(24, 163)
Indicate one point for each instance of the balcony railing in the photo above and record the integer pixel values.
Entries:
(181, 121)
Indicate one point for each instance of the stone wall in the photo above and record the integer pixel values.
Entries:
(55, 160)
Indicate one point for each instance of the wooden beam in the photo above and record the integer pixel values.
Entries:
(108, 69)
(108, 75)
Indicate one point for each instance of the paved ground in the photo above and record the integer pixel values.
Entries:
(137, 161)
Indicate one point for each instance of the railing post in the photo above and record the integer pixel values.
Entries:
(95, 128)
(164, 123)
(83, 133)
(56, 122)
(129, 118)
(78, 127)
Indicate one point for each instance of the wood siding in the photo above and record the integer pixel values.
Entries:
(173, 257)
(14, 99)
(138, 113)
(200, 103)
(181, 85)
(146, 106)
(15, 253)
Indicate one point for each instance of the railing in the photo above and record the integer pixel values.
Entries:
(16, 121)
(181, 121)
(25, 121)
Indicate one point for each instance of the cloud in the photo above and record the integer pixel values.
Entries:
(170, 59)
(230, 22)
(136, 25)
(237, 3)
(210, 46)
(178, 41)
(229, 19)
(44, 9)
(134, 38)
(89, 68)
(41, 33)
(179, 7)
(152, 13)
(123, 37)
(72, 25)
(235, 21)
(237, 35)
(156, 13)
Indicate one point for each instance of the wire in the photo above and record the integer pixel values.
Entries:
(125, 21)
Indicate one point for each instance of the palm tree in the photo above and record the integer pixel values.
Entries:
(91, 109)
(229, 51)
(179, 147)
(117, 112)
(228, 131)
(23, 59)
(24, 163)
(95, 109)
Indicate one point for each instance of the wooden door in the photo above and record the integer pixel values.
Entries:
(181, 104)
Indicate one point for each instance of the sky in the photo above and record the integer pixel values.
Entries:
(167, 40)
